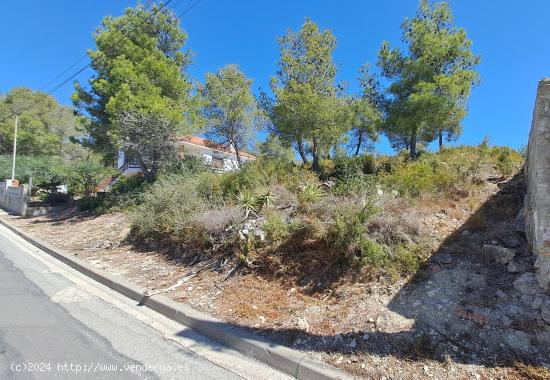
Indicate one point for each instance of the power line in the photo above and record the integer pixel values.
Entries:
(146, 6)
(93, 60)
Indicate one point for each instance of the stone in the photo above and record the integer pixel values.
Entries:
(538, 301)
(435, 267)
(518, 340)
(352, 344)
(527, 284)
(545, 311)
(262, 319)
(501, 294)
(516, 267)
(510, 241)
(338, 338)
(501, 255)
(303, 324)
(366, 336)
(444, 258)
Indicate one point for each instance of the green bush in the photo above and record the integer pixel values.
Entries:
(348, 167)
(427, 175)
(276, 228)
(46, 171)
(126, 193)
(168, 208)
(188, 165)
(55, 197)
(505, 163)
(83, 177)
(347, 235)
(361, 185)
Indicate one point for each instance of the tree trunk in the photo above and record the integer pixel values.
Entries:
(359, 142)
(315, 153)
(412, 147)
(302, 151)
(440, 137)
(238, 154)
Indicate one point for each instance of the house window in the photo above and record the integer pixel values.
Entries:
(217, 163)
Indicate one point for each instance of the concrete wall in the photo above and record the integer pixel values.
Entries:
(14, 199)
(537, 200)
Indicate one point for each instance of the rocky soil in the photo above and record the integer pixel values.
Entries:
(473, 312)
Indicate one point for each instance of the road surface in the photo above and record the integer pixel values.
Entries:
(56, 323)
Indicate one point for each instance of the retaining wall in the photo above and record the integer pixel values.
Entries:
(14, 199)
(537, 200)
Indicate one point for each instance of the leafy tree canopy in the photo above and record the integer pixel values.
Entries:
(139, 68)
(431, 82)
(309, 111)
(44, 125)
(232, 114)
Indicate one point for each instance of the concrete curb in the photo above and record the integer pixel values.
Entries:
(277, 356)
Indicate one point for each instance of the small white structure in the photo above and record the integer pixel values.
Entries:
(216, 156)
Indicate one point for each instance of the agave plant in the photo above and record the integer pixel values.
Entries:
(248, 201)
(267, 199)
(310, 192)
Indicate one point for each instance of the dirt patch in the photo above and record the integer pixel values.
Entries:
(461, 316)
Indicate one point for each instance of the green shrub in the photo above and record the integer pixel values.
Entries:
(347, 235)
(326, 169)
(56, 198)
(168, 208)
(46, 171)
(83, 177)
(276, 228)
(188, 165)
(361, 185)
(348, 167)
(505, 164)
(427, 175)
(126, 193)
(128, 184)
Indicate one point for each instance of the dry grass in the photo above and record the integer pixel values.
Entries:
(532, 372)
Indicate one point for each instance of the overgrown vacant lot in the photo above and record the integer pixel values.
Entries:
(383, 267)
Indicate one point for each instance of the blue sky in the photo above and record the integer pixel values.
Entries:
(39, 39)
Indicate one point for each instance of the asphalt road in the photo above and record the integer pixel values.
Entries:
(56, 323)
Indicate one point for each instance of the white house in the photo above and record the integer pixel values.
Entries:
(221, 159)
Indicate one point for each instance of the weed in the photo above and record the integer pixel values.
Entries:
(276, 228)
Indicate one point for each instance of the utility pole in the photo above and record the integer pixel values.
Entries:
(14, 148)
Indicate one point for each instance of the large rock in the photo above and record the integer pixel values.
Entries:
(511, 241)
(518, 340)
(517, 267)
(527, 284)
(500, 254)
